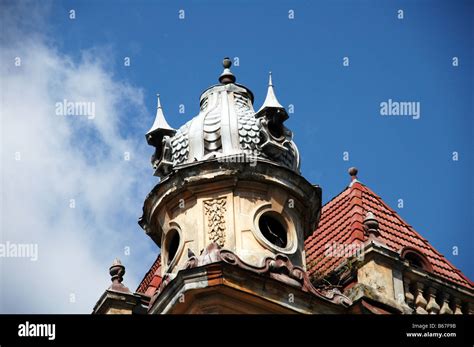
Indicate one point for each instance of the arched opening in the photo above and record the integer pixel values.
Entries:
(415, 259)
(273, 229)
(172, 245)
(276, 128)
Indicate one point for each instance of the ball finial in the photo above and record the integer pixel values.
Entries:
(227, 76)
(227, 63)
(353, 171)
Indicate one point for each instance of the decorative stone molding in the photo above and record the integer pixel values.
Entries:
(280, 268)
(161, 160)
(215, 211)
(371, 299)
(278, 147)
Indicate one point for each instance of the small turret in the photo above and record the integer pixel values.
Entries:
(160, 127)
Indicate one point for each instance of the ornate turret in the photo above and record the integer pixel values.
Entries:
(276, 138)
(231, 192)
(159, 137)
(159, 128)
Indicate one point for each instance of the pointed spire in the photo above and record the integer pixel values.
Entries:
(160, 120)
(160, 125)
(270, 100)
(227, 76)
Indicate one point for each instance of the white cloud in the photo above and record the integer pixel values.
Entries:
(63, 158)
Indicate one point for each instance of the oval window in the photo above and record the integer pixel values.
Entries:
(273, 230)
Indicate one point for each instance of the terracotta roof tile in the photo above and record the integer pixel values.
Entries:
(152, 279)
(342, 218)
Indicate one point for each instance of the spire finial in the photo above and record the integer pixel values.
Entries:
(271, 100)
(160, 125)
(158, 105)
(227, 76)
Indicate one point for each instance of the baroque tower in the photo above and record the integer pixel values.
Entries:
(231, 212)
(240, 231)
(230, 191)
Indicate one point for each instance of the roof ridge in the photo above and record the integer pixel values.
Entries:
(395, 213)
(336, 197)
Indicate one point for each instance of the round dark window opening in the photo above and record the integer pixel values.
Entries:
(172, 245)
(273, 230)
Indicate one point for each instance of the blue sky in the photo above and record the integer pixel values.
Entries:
(337, 108)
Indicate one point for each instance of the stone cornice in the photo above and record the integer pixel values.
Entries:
(211, 267)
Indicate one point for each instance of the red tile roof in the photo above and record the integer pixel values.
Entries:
(152, 279)
(342, 223)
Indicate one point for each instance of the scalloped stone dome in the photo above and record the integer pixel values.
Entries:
(227, 127)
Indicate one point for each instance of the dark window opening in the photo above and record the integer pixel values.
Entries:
(276, 128)
(417, 261)
(273, 230)
(414, 261)
(172, 245)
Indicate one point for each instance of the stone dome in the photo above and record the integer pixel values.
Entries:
(226, 128)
